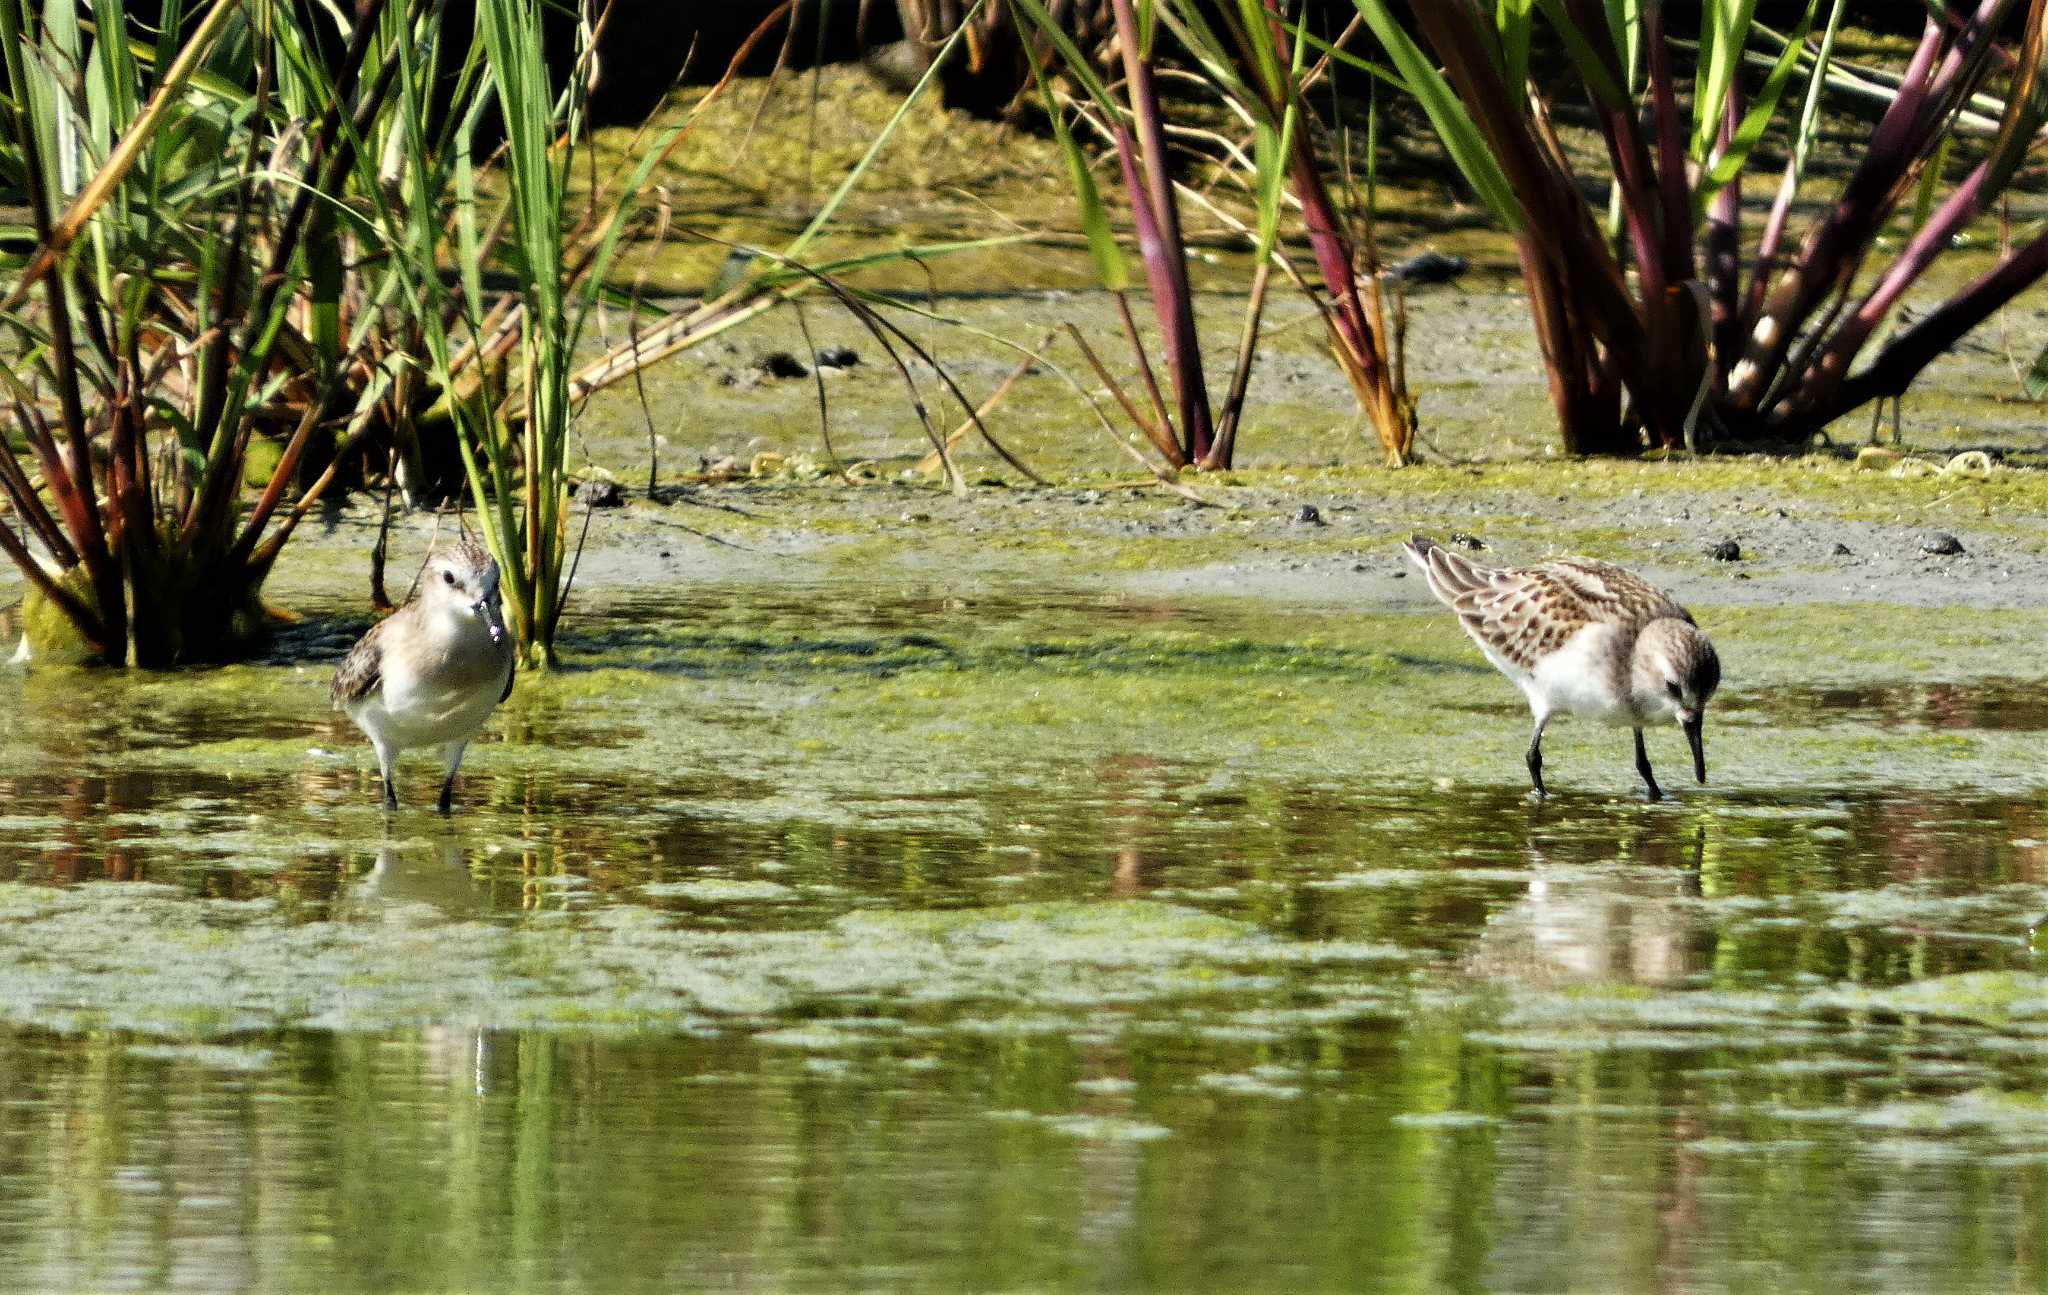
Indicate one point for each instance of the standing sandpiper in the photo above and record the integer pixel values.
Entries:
(1585, 637)
(429, 674)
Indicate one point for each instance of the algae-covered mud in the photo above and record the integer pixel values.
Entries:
(908, 924)
(1070, 886)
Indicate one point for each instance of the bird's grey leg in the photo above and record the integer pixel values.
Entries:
(1536, 755)
(454, 753)
(1643, 768)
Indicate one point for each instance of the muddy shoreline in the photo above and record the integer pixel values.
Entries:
(1102, 526)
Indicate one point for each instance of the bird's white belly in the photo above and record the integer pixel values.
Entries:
(1584, 679)
(407, 711)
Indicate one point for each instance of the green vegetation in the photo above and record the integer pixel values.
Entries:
(1664, 325)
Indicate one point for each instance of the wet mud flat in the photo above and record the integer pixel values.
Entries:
(1070, 885)
(1062, 888)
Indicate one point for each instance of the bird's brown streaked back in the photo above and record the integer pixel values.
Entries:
(1526, 613)
(468, 552)
(361, 670)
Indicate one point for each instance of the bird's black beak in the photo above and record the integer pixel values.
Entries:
(1692, 726)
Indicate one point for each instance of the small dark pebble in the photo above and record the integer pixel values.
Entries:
(1842, 550)
(1400, 575)
(1726, 551)
(664, 553)
(1468, 540)
(838, 357)
(781, 364)
(1941, 544)
(1309, 515)
(599, 493)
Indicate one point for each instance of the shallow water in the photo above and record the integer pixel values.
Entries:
(827, 938)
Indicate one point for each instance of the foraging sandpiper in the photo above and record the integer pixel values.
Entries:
(1584, 637)
(430, 673)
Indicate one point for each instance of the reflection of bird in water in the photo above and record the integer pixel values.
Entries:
(431, 673)
(1594, 925)
(426, 885)
(1584, 637)
(401, 883)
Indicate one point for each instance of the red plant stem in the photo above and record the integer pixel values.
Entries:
(273, 491)
(1326, 235)
(130, 506)
(79, 498)
(1145, 374)
(1677, 222)
(1240, 375)
(81, 616)
(1333, 254)
(1724, 244)
(1895, 367)
(1766, 255)
(1561, 239)
(1161, 438)
(1164, 253)
(1968, 200)
(1958, 210)
(1587, 411)
(1902, 135)
(30, 505)
(55, 475)
(1558, 218)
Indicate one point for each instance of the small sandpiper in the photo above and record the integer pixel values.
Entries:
(1584, 637)
(431, 672)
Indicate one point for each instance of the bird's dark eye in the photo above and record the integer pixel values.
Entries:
(449, 576)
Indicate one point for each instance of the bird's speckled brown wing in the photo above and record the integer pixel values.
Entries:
(1525, 613)
(361, 671)
(1611, 594)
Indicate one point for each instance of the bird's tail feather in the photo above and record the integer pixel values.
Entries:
(1449, 574)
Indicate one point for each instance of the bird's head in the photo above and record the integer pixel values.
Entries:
(462, 578)
(1675, 675)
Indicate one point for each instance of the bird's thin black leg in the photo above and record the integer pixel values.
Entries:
(1643, 768)
(1536, 757)
(453, 751)
(386, 759)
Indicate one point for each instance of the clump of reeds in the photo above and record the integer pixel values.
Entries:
(1248, 53)
(1687, 318)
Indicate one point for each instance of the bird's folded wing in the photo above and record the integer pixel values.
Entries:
(1524, 615)
(362, 669)
(1608, 593)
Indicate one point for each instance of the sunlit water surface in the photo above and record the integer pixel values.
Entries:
(829, 939)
